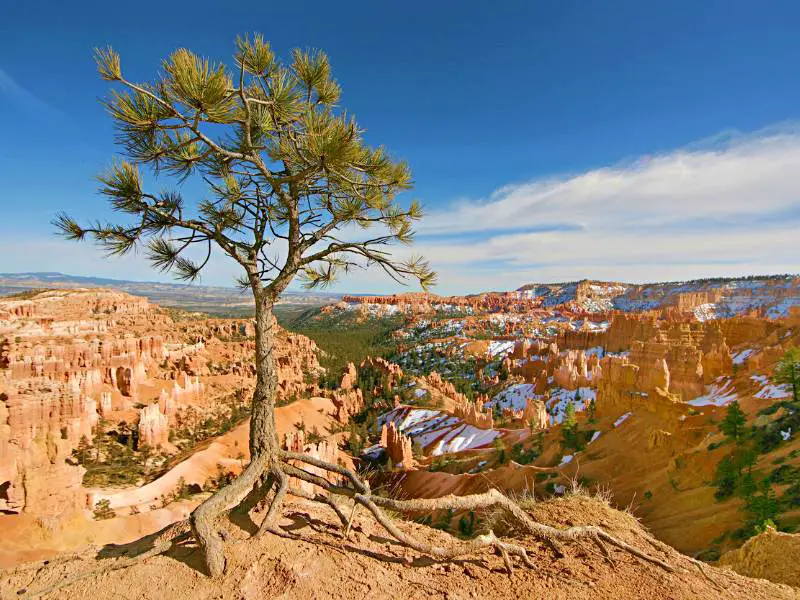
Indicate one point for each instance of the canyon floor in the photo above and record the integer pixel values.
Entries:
(117, 417)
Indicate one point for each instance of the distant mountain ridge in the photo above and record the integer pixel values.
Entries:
(707, 298)
(192, 297)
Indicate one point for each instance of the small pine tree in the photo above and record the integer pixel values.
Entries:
(82, 452)
(570, 435)
(103, 510)
(733, 425)
(417, 450)
(788, 371)
(762, 508)
(500, 448)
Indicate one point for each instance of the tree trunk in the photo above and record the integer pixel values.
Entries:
(264, 448)
(263, 435)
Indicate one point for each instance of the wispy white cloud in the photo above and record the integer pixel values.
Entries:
(23, 98)
(728, 206)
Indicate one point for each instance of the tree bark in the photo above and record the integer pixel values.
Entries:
(264, 446)
(263, 434)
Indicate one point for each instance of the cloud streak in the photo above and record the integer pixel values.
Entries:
(24, 98)
(730, 206)
(722, 208)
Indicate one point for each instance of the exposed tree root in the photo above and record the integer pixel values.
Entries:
(256, 481)
(324, 499)
(282, 483)
(205, 517)
(490, 499)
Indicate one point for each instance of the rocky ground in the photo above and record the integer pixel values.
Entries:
(311, 560)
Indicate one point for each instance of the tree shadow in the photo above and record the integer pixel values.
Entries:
(302, 521)
(182, 549)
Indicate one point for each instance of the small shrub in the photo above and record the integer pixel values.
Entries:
(103, 510)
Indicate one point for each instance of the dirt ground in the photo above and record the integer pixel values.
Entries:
(312, 560)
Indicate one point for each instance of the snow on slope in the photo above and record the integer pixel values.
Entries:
(776, 295)
(770, 391)
(742, 356)
(514, 397)
(561, 398)
(622, 419)
(500, 347)
(435, 428)
(717, 394)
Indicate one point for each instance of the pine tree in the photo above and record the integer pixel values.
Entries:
(788, 372)
(570, 436)
(288, 176)
(733, 425)
(292, 191)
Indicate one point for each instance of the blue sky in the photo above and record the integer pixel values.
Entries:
(548, 140)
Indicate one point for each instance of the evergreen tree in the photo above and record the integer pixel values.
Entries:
(592, 410)
(288, 177)
(762, 507)
(788, 372)
(571, 437)
(733, 425)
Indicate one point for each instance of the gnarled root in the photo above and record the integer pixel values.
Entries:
(255, 482)
(204, 518)
(492, 499)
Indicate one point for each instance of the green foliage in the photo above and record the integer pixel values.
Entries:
(343, 339)
(572, 438)
(788, 372)
(356, 439)
(761, 507)
(500, 449)
(197, 427)
(592, 411)
(733, 425)
(314, 436)
(281, 162)
(417, 450)
(441, 463)
(522, 455)
(729, 472)
(466, 524)
(112, 458)
(102, 510)
(444, 521)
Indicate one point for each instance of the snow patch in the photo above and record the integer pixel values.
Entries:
(561, 398)
(500, 347)
(770, 391)
(706, 312)
(428, 426)
(742, 356)
(716, 395)
(514, 397)
(622, 419)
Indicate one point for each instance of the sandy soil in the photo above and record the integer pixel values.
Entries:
(312, 561)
